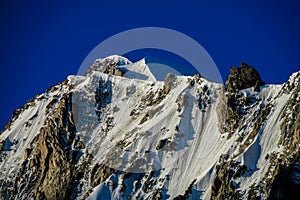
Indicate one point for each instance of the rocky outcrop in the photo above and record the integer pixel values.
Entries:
(224, 186)
(234, 103)
(244, 77)
(50, 161)
(286, 180)
(187, 192)
(153, 97)
(169, 82)
(282, 178)
(50, 169)
(286, 183)
(108, 66)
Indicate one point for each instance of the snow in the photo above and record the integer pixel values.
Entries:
(100, 192)
(139, 70)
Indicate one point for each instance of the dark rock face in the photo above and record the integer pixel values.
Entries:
(234, 103)
(52, 166)
(102, 96)
(244, 77)
(50, 169)
(223, 186)
(286, 184)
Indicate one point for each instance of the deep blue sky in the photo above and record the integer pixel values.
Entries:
(42, 43)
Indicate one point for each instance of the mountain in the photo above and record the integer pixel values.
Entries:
(118, 133)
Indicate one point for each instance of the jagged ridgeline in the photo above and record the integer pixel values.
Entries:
(118, 133)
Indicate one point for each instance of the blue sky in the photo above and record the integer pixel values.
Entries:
(42, 43)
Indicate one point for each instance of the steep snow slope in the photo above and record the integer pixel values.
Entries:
(133, 137)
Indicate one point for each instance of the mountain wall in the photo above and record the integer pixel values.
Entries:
(118, 133)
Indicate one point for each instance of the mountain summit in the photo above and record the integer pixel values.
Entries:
(118, 133)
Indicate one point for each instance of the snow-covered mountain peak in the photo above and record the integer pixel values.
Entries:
(120, 66)
(118, 133)
(138, 70)
(109, 64)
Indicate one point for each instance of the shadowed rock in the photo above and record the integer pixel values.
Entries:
(244, 77)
